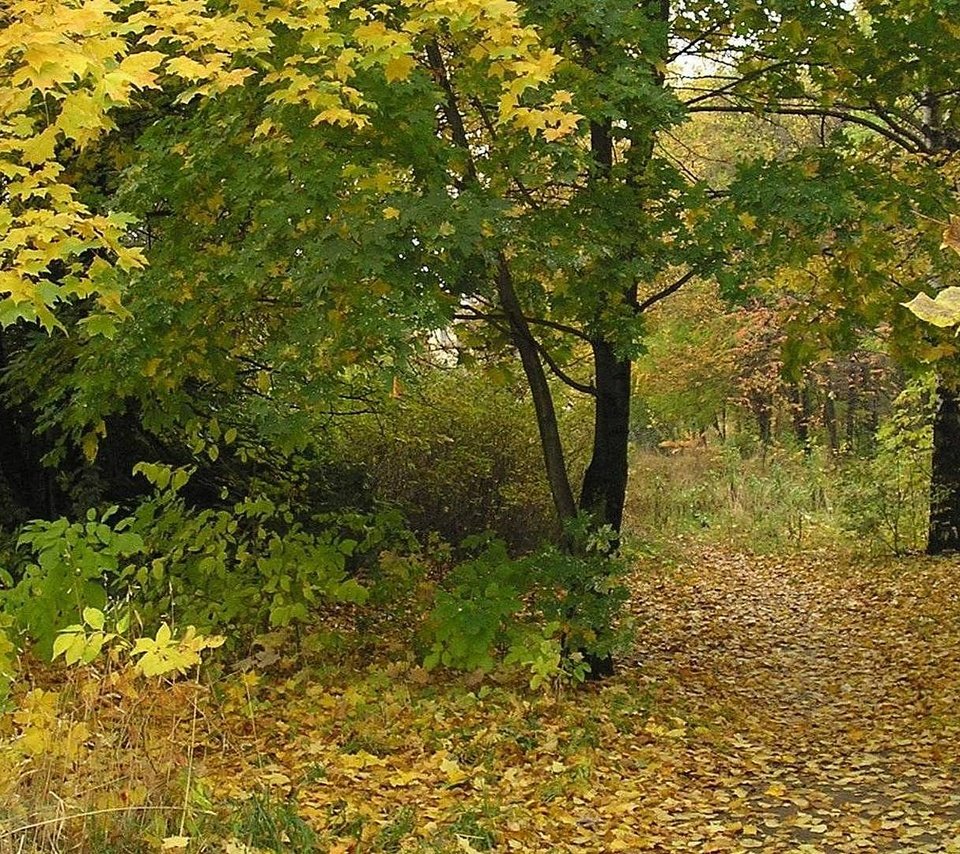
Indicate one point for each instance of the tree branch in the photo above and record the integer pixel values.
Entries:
(501, 322)
(785, 110)
(667, 291)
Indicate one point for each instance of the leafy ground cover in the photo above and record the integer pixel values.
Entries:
(806, 703)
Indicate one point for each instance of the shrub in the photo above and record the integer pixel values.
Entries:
(459, 455)
(885, 499)
(244, 569)
(548, 612)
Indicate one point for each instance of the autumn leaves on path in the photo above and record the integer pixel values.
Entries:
(776, 704)
(829, 696)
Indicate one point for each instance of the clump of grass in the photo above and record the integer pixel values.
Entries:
(82, 766)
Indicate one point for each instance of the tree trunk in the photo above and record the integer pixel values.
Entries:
(853, 401)
(547, 426)
(830, 421)
(605, 482)
(762, 406)
(800, 411)
(944, 533)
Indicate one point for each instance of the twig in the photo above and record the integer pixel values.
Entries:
(193, 741)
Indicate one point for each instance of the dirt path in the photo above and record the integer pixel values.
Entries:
(830, 698)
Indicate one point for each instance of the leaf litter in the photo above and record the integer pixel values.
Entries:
(804, 703)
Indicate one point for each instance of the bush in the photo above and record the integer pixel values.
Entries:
(885, 499)
(243, 569)
(548, 612)
(459, 456)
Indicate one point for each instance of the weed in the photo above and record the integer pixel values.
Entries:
(263, 822)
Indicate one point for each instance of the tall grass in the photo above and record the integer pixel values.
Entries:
(783, 499)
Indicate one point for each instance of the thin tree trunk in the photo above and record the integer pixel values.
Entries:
(853, 401)
(830, 421)
(800, 410)
(550, 443)
(944, 533)
(762, 407)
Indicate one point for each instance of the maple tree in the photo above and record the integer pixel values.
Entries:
(319, 189)
(490, 168)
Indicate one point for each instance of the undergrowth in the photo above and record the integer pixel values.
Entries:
(784, 500)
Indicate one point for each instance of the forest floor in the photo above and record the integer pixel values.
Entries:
(807, 703)
(830, 696)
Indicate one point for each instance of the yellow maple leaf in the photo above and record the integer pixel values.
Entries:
(399, 68)
(187, 68)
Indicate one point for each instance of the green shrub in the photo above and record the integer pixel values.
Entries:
(459, 455)
(885, 499)
(242, 569)
(547, 612)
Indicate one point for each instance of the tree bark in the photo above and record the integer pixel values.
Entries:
(547, 426)
(605, 483)
(944, 532)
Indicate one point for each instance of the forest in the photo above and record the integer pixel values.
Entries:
(479, 425)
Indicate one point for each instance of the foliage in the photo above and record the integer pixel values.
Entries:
(241, 569)
(8, 663)
(546, 611)
(887, 501)
(69, 68)
(458, 454)
(774, 500)
(944, 309)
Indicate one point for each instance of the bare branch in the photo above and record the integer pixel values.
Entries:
(667, 291)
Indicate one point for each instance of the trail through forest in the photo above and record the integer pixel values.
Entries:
(784, 704)
(806, 703)
(840, 685)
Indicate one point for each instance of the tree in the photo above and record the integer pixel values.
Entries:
(483, 162)
(879, 75)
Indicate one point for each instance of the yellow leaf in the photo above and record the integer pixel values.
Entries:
(90, 445)
(399, 68)
(41, 147)
(139, 68)
(452, 771)
(187, 68)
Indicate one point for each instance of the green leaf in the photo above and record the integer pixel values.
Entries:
(94, 618)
